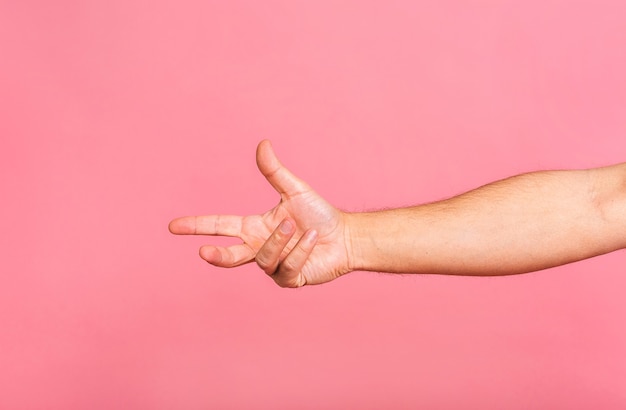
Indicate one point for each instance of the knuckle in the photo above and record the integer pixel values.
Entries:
(267, 265)
(282, 284)
(285, 282)
(290, 281)
(287, 267)
(284, 275)
(276, 239)
(262, 262)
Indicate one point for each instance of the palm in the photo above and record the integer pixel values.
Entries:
(310, 211)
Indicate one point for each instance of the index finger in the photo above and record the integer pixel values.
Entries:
(222, 225)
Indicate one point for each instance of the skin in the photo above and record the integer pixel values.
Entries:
(301, 241)
(521, 224)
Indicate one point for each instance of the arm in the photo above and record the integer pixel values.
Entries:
(521, 224)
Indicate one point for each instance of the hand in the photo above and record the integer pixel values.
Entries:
(301, 241)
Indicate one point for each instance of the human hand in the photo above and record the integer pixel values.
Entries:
(301, 241)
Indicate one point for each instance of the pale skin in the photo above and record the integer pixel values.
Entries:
(521, 224)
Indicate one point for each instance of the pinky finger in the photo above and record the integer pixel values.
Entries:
(289, 272)
(227, 257)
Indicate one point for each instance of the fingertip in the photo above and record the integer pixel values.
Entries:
(266, 158)
(173, 226)
(210, 254)
(309, 239)
(265, 142)
(184, 225)
(262, 147)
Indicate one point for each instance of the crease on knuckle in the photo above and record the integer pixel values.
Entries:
(287, 267)
(286, 283)
(264, 264)
(260, 260)
(217, 223)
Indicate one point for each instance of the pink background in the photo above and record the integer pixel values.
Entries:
(116, 116)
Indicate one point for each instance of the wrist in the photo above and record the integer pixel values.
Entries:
(357, 237)
(376, 241)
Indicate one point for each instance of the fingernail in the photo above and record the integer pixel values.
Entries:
(286, 226)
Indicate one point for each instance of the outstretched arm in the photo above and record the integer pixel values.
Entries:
(522, 224)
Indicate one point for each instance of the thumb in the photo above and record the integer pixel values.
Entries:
(277, 175)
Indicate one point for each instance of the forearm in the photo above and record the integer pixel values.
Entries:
(521, 224)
